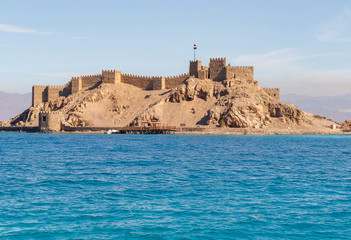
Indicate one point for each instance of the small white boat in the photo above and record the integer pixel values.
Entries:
(111, 131)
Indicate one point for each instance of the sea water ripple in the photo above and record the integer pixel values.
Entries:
(61, 186)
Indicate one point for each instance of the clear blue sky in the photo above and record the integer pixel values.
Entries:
(300, 46)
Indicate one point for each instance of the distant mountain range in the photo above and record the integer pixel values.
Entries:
(12, 104)
(337, 108)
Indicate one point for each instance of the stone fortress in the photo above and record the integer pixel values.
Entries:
(217, 70)
(214, 99)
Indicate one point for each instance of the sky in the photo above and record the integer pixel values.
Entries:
(302, 47)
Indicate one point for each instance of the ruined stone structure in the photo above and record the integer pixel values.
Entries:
(217, 70)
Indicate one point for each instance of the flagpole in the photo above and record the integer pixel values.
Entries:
(195, 47)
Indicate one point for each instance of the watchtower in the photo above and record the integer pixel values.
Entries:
(195, 67)
(76, 84)
(217, 68)
(111, 76)
(50, 121)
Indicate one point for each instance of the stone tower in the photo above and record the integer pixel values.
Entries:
(111, 76)
(217, 68)
(50, 121)
(195, 67)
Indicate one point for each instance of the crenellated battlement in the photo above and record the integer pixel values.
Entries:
(40, 86)
(49, 86)
(271, 89)
(57, 86)
(218, 59)
(91, 76)
(51, 112)
(177, 76)
(139, 76)
(240, 67)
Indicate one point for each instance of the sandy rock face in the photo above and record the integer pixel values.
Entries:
(288, 112)
(238, 112)
(255, 115)
(238, 104)
(243, 117)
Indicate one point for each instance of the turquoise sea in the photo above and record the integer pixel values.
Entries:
(71, 186)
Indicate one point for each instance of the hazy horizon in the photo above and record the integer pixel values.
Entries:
(300, 47)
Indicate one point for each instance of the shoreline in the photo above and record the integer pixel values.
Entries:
(191, 131)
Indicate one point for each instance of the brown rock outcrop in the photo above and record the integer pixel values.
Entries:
(346, 125)
(237, 104)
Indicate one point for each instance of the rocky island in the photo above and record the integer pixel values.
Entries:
(214, 99)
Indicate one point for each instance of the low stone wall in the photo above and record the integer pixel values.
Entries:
(87, 129)
(190, 129)
(19, 129)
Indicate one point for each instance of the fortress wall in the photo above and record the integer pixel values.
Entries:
(217, 68)
(149, 83)
(91, 80)
(39, 93)
(53, 92)
(67, 89)
(273, 92)
(142, 82)
(242, 72)
(175, 81)
(42, 94)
